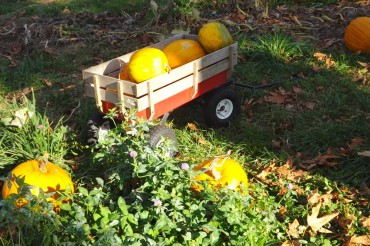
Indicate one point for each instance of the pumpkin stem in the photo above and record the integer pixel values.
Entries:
(42, 162)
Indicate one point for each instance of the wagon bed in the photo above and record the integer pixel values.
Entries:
(157, 96)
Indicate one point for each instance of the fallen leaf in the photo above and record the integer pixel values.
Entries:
(364, 153)
(275, 97)
(360, 240)
(291, 243)
(193, 127)
(364, 64)
(202, 141)
(356, 142)
(366, 189)
(365, 222)
(315, 68)
(316, 223)
(293, 229)
(316, 198)
(277, 144)
(297, 90)
(308, 105)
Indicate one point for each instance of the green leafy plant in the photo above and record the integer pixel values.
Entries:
(26, 134)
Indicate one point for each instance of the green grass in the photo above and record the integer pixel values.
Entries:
(46, 8)
(324, 109)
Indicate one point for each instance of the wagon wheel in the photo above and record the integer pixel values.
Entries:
(163, 137)
(97, 128)
(221, 106)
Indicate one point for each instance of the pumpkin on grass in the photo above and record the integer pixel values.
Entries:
(214, 36)
(221, 172)
(183, 51)
(147, 63)
(357, 35)
(38, 174)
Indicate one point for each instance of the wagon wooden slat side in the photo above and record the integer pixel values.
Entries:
(155, 97)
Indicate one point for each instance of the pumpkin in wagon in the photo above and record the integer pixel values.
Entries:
(124, 74)
(38, 174)
(221, 172)
(357, 35)
(183, 51)
(214, 36)
(147, 63)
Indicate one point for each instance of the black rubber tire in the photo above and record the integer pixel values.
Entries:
(94, 125)
(157, 133)
(221, 106)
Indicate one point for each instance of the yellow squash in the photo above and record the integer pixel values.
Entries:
(147, 63)
(183, 51)
(214, 36)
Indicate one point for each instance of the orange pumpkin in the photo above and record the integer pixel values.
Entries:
(220, 172)
(147, 63)
(183, 51)
(214, 36)
(124, 74)
(38, 174)
(357, 35)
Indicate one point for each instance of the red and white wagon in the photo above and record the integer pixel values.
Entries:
(156, 97)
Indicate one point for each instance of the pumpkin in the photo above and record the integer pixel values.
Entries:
(147, 63)
(183, 51)
(38, 174)
(357, 35)
(124, 74)
(214, 36)
(221, 172)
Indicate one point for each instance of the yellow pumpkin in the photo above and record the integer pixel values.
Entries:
(220, 172)
(214, 36)
(38, 174)
(357, 35)
(183, 51)
(147, 63)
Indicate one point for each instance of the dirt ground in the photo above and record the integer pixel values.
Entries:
(321, 26)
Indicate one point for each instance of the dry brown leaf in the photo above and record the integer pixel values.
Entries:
(275, 97)
(309, 105)
(365, 222)
(359, 241)
(316, 198)
(297, 90)
(364, 153)
(315, 68)
(356, 142)
(365, 188)
(282, 211)
(316, 223)
(291, 243)
(293, 229)
(364, 64)
(202, 141)
(193, 127)
(320, 56)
